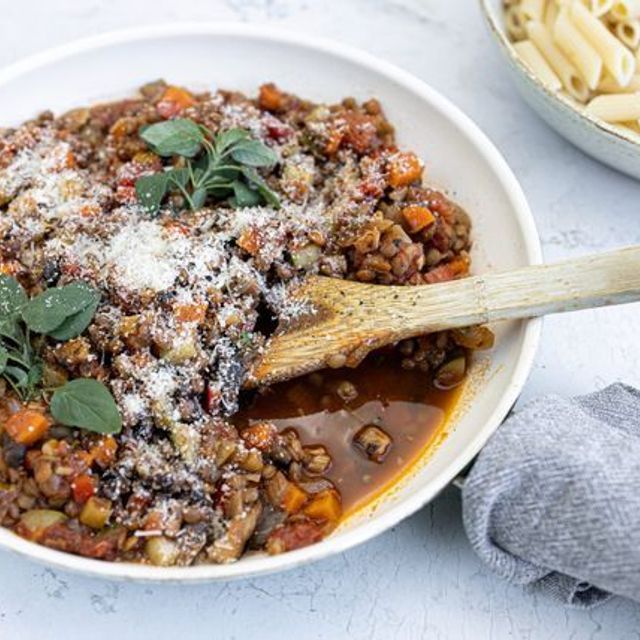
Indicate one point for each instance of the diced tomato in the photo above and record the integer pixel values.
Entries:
(361, 133)
(371, 189)
(83, 487)
(103, 546)
(449, 271)
(294, 535)
(276, 129)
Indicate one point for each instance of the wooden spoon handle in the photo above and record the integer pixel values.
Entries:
(353, 318)
(580, 283)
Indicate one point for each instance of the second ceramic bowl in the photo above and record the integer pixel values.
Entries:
(598, 139)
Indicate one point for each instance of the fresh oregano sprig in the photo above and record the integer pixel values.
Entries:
(217, 167)
(61, 313)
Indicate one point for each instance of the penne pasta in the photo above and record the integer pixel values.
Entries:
(551, 15)
(610, 85)
(600, 7)
(515, 23)
(628, 32)
(532, 9)
(577, 48)
(569, 76)
(538, 65)
(617, 59)
(621, 107)
(581, 49)
(625, 10)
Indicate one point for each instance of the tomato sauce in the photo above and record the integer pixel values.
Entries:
(403, 403)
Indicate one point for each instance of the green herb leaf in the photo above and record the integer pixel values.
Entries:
(179, 177)
(226, 168)
(4, 358)
(254, 153)
(229, 138)
(12, 298)
(198, 198)
(179, 137)
(243, 196)
(87, 404)
(17, 375)
(74, 325)
(34, 375)
(256, 180)
(151, 190)
(48, 311)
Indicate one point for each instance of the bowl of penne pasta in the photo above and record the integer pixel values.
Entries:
(577, 63)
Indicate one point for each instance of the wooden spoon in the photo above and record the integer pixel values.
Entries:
(353, 318)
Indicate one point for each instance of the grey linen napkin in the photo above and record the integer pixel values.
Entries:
(553, 500)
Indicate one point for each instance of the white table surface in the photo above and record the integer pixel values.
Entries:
(420, 580)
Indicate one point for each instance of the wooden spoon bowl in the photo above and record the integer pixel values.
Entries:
(350, 319)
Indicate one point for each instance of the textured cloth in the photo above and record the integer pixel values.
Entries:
(553, 500)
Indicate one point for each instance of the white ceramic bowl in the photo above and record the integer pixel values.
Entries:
(458, 156)
(600, 140)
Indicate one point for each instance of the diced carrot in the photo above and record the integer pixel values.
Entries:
(404, 168)
(104, 453)
(336, 136)
(89, 210)
(190, 312)
(417, 217)
(9, 267)
(325, 506)
(174, 101)
(361, 133)
(27, 426)
(83, 487)
(249, 241)
(260, 436)
(177, 227)
(69, 160)
(271, 98)
(294, 498)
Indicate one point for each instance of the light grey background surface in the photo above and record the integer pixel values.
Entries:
(420, 580)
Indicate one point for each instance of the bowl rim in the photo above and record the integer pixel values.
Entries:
(260, 565)
(599, 126)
